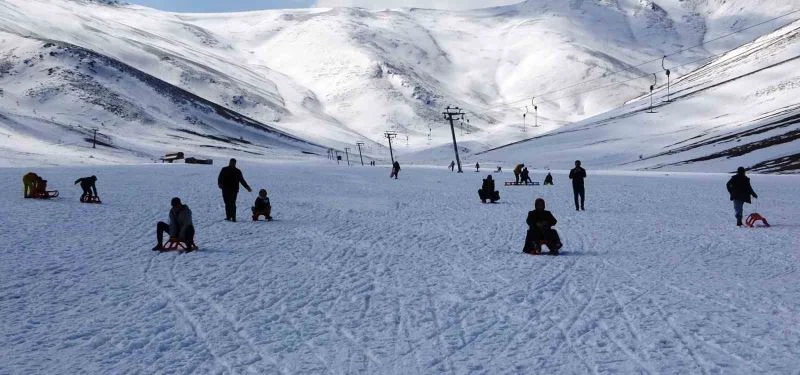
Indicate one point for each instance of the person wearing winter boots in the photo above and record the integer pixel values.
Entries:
(740, 191)
(540, 230)
(395, 170)
(477, 167)
(228, 181)
(487, 191)
(29, 184)
(262, 206)
(548, 180)
(518, 172)
(180, 227)
(577, 175)
(89, 188)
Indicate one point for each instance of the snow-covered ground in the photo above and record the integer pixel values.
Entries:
(360, 273)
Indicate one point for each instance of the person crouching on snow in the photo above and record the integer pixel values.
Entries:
(180, 227)
(540, 231)
(487, 191)
(262, 206)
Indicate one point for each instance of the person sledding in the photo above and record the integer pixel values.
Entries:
(37, 187)
(262, 206)
(180, 229)
(548, 180)
(89, 189)
(540, 231)
(487, 191)
(740, 191)
(525, 176)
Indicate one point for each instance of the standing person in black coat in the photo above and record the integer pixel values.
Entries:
(740, 189)
(540, 230)
(487, 191)
(395, 170)
(577, 175)
(229, 179)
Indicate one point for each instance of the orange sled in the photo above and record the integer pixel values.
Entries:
(174, 244)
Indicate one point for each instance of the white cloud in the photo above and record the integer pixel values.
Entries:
(435, 4)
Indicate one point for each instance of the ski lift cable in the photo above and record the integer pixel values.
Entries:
(606, 75)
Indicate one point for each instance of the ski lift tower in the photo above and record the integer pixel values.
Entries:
(452, 114)
(390, 135)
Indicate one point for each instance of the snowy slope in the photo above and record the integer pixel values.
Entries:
(363, 274)
(337, 76)
(740, 109)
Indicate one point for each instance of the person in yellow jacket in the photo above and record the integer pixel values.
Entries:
(518, 172)
(29, 184)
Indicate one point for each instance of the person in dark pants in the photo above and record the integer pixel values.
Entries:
(518, 172)
(89, 189)
(577, 175)
(525, 176)
(229, 179)
(548, 180)
(180, 227)
(487, 191)
(740, 190)
(540, 230)
(395, 170)
(262, 206)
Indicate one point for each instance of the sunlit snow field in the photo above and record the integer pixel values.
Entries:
(363, 274)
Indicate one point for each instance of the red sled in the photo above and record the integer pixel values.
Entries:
(753, 218)
(85, 199)
(45, 194)
(182, 247)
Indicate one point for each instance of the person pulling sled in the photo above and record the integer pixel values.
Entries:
(36, 187)
(540, 231)
(740, 191)
(487, 191)
(89, 189)
(262, 207)
(180, 229)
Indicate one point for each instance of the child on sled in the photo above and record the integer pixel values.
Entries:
(540, 231)
(262, 206)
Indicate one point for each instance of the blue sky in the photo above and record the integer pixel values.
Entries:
(240, 5)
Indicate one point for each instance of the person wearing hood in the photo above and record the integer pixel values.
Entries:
(180, 227)
(88, 186)
(540, 230)
(548, 180)
(487, 191)
(740, 192)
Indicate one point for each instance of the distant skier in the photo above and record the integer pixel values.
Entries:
(487, 191)
(740, 190)
(180, 227)
(262, 206)
(89, 188)
(548, 180)
(452, 166)
(525, 176)
(577, 175)
(540, 230)
(29, 184)
(228, 181)
(395, 170)
(518, 172)
(477, 167)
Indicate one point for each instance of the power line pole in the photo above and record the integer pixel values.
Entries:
(667, 72)
(390, 135)
(359, 144)
(451, 114)
(347, 153)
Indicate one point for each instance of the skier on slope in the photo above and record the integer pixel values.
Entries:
(487, 191)
(518, 172)
(180, 227)
(740, 190)
(395, 170)
(228, 181)
(88, 186)
(540, 231)
(577, 175)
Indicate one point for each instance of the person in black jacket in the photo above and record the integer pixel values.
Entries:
(487, 191)
(740, 190)
(577, 175)
(395, 170)
(548, 180)
(540, 231)
(262, 206)
(526, 176)
(87, 184)
(228, 181)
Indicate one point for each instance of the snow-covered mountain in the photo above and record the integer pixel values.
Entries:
(333, 77)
